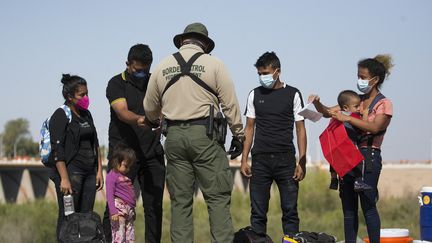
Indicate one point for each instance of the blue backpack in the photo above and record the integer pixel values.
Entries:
(45, 143)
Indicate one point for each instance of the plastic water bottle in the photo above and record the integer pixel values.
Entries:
(68, 205)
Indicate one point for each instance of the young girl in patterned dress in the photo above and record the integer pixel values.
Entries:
(121, 196)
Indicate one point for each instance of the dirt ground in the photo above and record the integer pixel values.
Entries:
(398, 181)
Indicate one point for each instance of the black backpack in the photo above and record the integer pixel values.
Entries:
(313, 237)
(248, 235)
(82, 227)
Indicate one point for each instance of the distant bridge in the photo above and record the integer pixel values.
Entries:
(26, 180)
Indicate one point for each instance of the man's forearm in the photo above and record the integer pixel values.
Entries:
(61, 168)
(247, 145)
(128, 117)
(302, 144)
(99, 170)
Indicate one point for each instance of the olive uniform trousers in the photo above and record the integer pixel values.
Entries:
(193, 157)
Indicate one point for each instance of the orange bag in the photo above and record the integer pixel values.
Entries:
(338, 149)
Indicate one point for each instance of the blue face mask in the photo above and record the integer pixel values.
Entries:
(363, 86)
(267, 81)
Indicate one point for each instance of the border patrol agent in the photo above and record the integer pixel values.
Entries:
(186, 88)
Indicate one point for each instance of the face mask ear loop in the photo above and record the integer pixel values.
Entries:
(376, 82)
(277, 76)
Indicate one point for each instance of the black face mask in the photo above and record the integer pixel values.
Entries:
(139, 81)
(140, 74)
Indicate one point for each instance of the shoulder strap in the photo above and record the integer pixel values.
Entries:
(370, 137)
(185, 68)
(67, 111)
(375, 101)
(371, 106)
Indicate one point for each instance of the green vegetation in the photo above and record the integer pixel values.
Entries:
(16, 140)
(319, 209)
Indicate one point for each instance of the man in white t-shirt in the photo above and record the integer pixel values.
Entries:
(272, 110)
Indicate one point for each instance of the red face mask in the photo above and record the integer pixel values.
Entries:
(83, 103)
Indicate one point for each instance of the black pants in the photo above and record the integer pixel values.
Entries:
(83, 182)
(151, 177)
(266, 168)
(368, 200)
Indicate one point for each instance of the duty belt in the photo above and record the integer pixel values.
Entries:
(198, 121)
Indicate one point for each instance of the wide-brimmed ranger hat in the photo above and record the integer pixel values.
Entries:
(196, 30)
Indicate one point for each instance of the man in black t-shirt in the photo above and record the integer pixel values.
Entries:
(125, 93)
(271, 113)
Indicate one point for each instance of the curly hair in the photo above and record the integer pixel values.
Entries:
(378, 66)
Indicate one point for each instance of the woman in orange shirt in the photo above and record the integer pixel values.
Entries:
(376, 111)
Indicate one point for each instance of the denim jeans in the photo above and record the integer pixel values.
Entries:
(266, 168)
(83, 184)
(368, 200)
(151, 177)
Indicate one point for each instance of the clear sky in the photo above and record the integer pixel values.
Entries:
(318, 42)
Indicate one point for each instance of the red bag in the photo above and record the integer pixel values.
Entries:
(338, 149)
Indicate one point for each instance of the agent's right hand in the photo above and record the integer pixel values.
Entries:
(236, 147)
(65, 186)
(313, 98)
(245, 169)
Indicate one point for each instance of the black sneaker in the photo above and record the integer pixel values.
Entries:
(334, 183)
(360, 186)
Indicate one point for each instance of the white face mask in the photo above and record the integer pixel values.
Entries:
(267, 80)
(363, 86)
(347, 113)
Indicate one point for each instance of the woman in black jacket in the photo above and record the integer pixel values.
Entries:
(75, 149)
